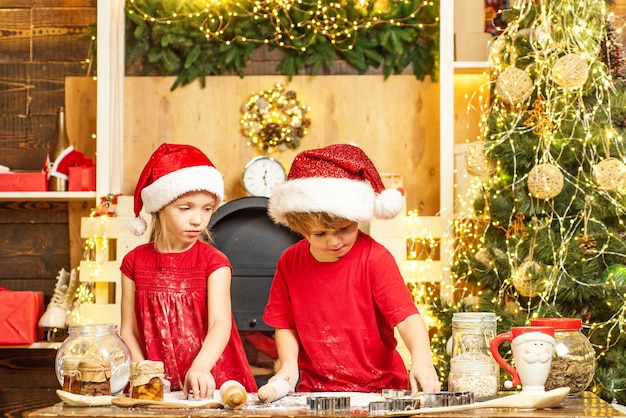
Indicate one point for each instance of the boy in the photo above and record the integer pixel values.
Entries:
(338, 294)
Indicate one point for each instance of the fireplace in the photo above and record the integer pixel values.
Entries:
(253, 243)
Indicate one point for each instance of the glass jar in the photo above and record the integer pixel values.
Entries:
(70, 375)
(94, 378)
(473, 370)
(96, 342)
(146, 380)
(482, 324)
(575, 362)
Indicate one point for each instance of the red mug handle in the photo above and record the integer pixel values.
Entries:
(495, 343)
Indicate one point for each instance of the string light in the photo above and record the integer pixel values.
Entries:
(296, 20)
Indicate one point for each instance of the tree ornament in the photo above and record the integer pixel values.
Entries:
(538, 118)
(477, 163)
(517, 226)
(616, 273)
(514, 86)
(570, 71)
(525, 277)
(545, 181)
(587, 244)
(610, 174)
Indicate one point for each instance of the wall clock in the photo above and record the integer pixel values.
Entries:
(261, 175)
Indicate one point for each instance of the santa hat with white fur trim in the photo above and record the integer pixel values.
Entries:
(172, 171)
(338, 179)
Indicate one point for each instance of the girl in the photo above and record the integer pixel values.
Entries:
(176, 288)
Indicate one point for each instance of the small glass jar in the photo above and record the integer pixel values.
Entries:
(575, 362)
(96, 342)
(94, 378)
(472, 323)
(70, 375)
(474, 371)
(146, 380)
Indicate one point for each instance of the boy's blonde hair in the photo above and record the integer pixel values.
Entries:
(305, 222)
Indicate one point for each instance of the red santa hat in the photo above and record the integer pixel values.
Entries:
(172, 171)
(338, 179)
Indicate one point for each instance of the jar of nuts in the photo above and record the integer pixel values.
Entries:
(575, 362)
(146, 380)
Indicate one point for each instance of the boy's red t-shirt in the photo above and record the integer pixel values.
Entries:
(344, 313)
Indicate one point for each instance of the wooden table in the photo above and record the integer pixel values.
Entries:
(585, 405)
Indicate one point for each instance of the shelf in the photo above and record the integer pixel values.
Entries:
(48, 196)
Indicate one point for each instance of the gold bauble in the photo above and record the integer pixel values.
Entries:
(514, 86)
(610, 174)
(545, 181)
(525, 278)
(477, 163)
(570, 71)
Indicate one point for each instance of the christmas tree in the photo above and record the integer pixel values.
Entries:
(547, 236)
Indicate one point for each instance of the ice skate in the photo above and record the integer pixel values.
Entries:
(55, 317)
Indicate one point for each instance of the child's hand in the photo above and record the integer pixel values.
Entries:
(426, 376)
(290, 374)
(200, 382)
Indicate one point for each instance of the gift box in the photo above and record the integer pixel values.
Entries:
(19, 314)
(23, 182)
(82, 179)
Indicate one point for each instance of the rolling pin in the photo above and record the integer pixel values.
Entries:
(233, 394)
(274, 390)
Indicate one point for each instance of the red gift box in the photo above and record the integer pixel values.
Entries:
(23, 182)
(82, 179)
(19, 314)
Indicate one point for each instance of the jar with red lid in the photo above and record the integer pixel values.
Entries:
(575, 362)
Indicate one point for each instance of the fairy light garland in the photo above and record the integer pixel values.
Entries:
(295, 22)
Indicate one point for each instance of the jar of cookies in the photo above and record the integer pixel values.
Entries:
(146, 380)
(94, 378)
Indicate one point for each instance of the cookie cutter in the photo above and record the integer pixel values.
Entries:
(432, 400)
(329, 404)
(395, 393)
(404, 404)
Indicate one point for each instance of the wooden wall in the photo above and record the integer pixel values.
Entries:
(395, 121)
(39, 48)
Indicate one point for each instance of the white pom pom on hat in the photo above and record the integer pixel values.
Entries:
(338, 179)
(172, 171)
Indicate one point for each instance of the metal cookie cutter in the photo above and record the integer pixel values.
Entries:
(329, 404)
(432, 400)
(379, 407)
(395, 393)
(404, 404)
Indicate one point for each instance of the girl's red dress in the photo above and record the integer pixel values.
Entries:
(172, 313)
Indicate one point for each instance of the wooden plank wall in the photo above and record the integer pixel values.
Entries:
(39, 47)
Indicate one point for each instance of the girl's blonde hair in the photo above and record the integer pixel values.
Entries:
(305, 222)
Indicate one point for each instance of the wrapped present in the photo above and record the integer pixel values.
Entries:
(14, 181)
(19, 314)
(82, 178)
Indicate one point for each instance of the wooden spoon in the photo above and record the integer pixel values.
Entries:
(126, 402)
(522, 400)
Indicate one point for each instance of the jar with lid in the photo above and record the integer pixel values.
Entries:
(94, 378)
(575, 362)
(473, 370)
(482, 324)
(96, 342)
(146, 380)
(70, 375)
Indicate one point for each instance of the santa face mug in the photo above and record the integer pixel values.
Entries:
(532, 349)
